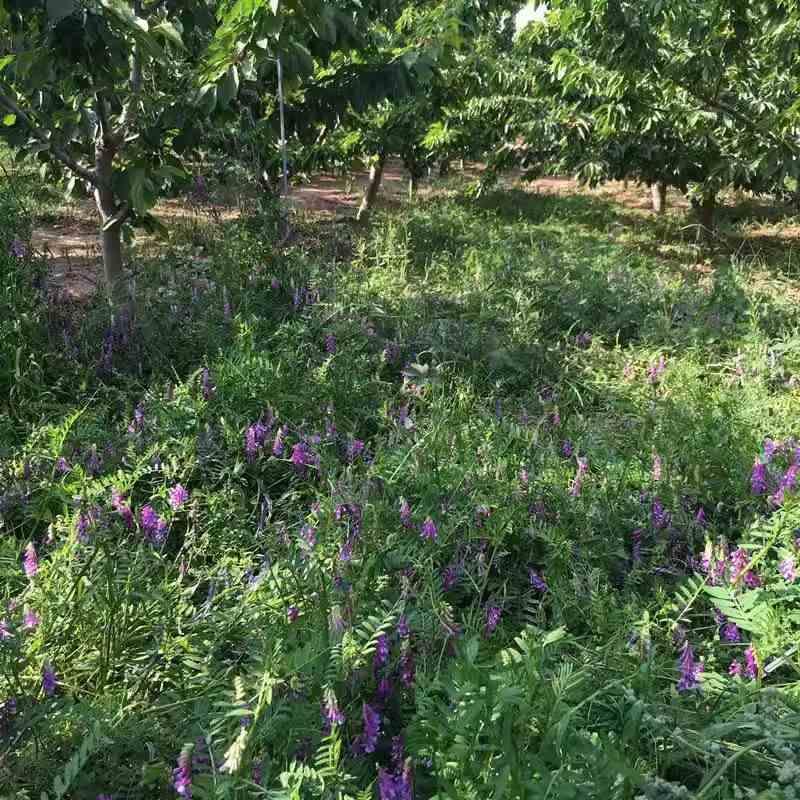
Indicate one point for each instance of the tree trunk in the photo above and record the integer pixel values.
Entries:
(112, 217)
(658, 192)
(706, 216)
(371, 192)
(413, 182)
(444, 167)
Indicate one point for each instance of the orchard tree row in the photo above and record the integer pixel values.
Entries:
(119, 97)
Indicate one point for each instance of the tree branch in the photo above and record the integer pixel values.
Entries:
(42, 135)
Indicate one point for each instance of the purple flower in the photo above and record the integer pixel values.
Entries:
(5, 631)
(398, 751)
(62, 466)
(655, 371)
(93, 463)
(405, 514)
(758, 478)
(308, 535)
(577, 482)
(367, 741)
(450, 575)
(17, 248)
(700, 517)
(391, 353)
(346, 550)
(659, 516)
(655, 471)
(182, 775)
(403, 630)
(407, 668)
(583, 340)
(254, 440)
(30, 620)
(354, 449)
(292, 613)
(429, 530)
(177, 496)
(207, 387)
(330, 344)
(730, 633)
(788, 569)
(49, 680)
(277, 444)
(537, 581)
(30, 561)
(735, 669)
(137, 423)
(689, 670)
(770, 448)
(381, 651)
(567, 448)
(738, 560)
(332, 713)
(397, 785)
(384, 691)
(82, 525)
(482, 513)
(788, 483)
(153, 526)
(751, 667)
(752, 580)
(303, 457)
(493, 615)
(628, 371)
(636, 549)
(124, 510)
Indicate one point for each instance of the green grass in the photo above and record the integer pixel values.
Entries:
(458, 364)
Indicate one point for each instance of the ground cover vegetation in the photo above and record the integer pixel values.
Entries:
(490, 492)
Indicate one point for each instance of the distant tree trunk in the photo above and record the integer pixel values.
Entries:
(371, 191)
(444, 167)
(705, 214)
(413, 183)
(658, 191)
(112, 216)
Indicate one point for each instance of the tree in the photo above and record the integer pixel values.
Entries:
(101, 92)
(694, 95)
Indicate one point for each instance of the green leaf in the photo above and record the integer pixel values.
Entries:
(169, 32)
(228, 87)
(554, 636)
(137, 193)
(124, 12)
(5, 61)
(9, 120)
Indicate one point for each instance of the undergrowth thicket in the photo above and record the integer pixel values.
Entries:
(501, 503)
